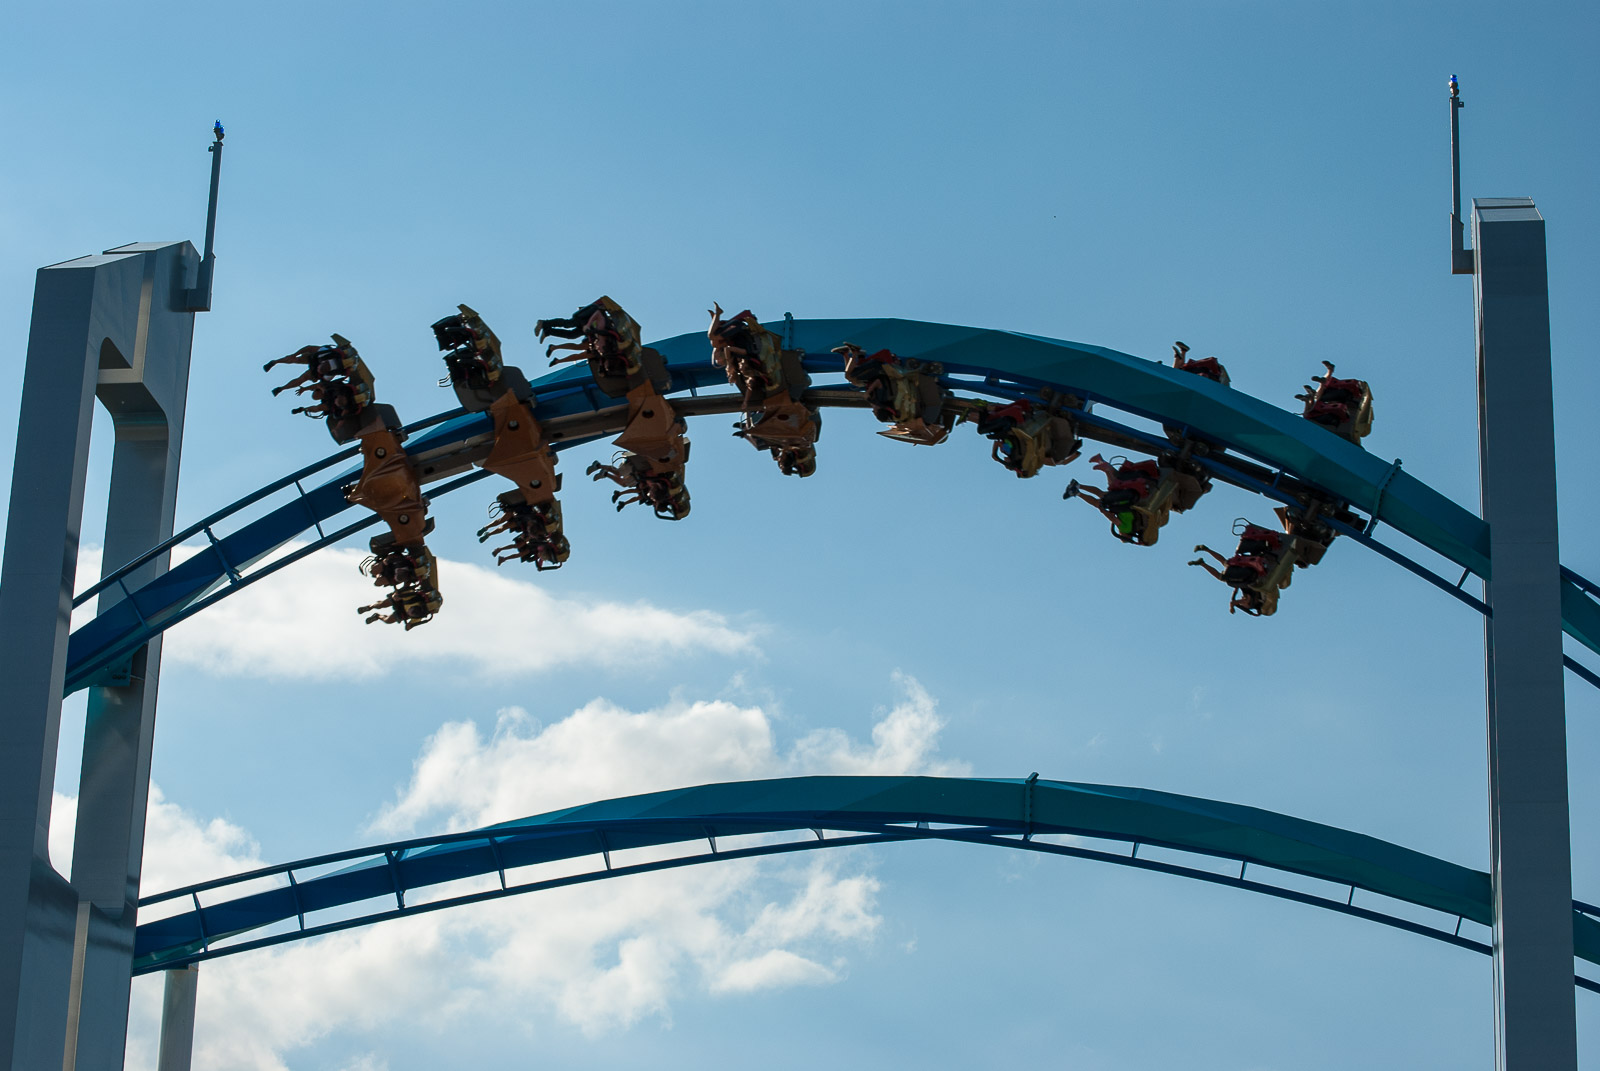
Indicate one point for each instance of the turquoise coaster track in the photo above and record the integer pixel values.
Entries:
(746, 819)
(1264, 449)
(1268, 451)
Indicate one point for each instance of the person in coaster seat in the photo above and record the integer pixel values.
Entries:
(795, 460)
(471, 350)
(659, 487)
(399, 567)
(511, 512)
(1250, 572)
(1118, 505)
(543, 550)
(1026, 438)
(610, 338)
(747, 352)
(1343, 406)
(411, 607)
(535, 529)
(904, 394)
(336, 400)
(876, 375)
(1208, 367)
(323, 363)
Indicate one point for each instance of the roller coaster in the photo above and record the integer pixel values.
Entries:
(1036, 400)
(1172, 431)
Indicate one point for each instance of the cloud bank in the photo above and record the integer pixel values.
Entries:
(301, 623)
(602, 956)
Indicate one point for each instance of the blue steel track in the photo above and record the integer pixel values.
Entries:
(640, 834)
(1268, 450)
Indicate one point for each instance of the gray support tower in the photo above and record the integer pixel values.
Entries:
(117, 327)
(1530, 841)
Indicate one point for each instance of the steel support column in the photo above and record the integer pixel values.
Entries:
(147, 402)
(1530, 843)
(177, 1018)
(112, 326)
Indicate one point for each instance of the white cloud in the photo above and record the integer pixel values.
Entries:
(602, 956)
(772, 969)
(367, 1061)
(463, 780)
(302, 623)
(903, 740)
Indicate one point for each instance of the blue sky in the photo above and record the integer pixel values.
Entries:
(1267, 182)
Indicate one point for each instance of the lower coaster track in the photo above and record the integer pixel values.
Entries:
(747, 819)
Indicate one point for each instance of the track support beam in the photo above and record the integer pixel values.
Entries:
(112, 327)
(1530, 837)
(177, 1018)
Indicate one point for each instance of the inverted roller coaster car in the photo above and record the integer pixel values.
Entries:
(1026, 436)
(904, 394)
(1343, 406)
(788, 430)
(658, 485)
(409, 606)
(611, 344)
(1205, 367)
(476, 367)
(535, 528)
(391, 565)
(341, 387)
(1265, 560)
(750, 355)
(412, 572)
(1125, 502)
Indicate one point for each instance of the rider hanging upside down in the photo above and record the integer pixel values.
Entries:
(536, 529)
(339, 382)
(795, 460)
(658, 486)
(1261, 567)
(1343, 406)
(411, 607)
(788, 431)
(471, 350)
(396, 566)
(748, 353)
(336, 400)
(1141, 496)
(1209, 367)
(1127, 486)
(1026, 437)
(905, 394)
(771, 383)
(412, 571)
(323, 364)
(610, 338)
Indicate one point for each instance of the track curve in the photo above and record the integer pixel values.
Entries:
(856, 810)
(1268, 450)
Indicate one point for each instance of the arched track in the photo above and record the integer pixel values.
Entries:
(236, 914)
(1269, 451)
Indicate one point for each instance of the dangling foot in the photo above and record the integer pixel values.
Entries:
(1071, 491)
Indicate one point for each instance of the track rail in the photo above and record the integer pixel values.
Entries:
(1193, 835)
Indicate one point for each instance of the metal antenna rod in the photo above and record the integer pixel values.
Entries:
(199, 299)
(1461, 260)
